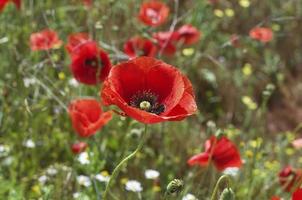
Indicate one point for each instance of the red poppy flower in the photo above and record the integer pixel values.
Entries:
(87, 2)
(188, 34)
(44, 40)
(153, 13)
(76, 40)
(166, 42)
(290, 178)
(275, 198)
(149, 91)
(297, 195)
(87, 116)
(78, 147)
(262, 34)
(222, 152)
(138, 46)
(90, 64)
(3, 3)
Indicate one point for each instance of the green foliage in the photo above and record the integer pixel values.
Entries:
(241, 91)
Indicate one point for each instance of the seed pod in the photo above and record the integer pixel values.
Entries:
(175, 187)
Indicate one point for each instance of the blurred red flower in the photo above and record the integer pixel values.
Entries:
(166, 42)
(222, 152)
(290, 178)
(87, 2)
(153, 13)
(3, 3)
(262, 34)
(90, 64)
(188, 34)
(76, 40)
(79, 147)
(87, 116)
(149, 91)
(138, 46)
(44, 40)
(297, 195)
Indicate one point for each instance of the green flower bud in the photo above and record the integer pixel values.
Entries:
(227, 194)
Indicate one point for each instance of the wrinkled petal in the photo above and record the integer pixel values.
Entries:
(201, 159)
(153, 13)
(44, 40)
(87, 116)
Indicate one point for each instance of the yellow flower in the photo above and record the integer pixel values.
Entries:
(156, 188)
(244, 3)
(188, 51)
(229, 12)
(218, 13)
(124, 181)
(105, 173)
(249, 153)
(272, 165)
(36, 189)
(276, 27)
(250, 104)
(247, 69)
(254, 144)
(231, 133)
(61, 76)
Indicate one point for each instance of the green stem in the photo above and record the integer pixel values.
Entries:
(124, 161)
(222, 178)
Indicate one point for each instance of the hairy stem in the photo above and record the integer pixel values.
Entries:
(222, 178)
(124, 161)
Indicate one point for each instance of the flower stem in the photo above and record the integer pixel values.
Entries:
(118, 168)
(222, 178)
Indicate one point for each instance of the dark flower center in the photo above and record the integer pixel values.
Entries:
(147, 101)
(91, 62)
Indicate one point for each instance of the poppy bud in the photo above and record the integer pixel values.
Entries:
(174, 187)
(227, 194)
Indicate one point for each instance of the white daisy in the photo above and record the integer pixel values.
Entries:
(29, 144)
(51, 171)
(84, 180)
(83, 158)
(189, 197)
(73, 82)
(42, 179)
(134, 186)
(102, 178)
(151, 174)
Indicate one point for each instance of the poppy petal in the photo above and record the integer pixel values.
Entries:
(201, 159)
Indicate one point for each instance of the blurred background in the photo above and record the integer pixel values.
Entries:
(250, 90)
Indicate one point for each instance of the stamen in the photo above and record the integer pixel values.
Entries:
(145, 105)
(147, 101)
(92, 62)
